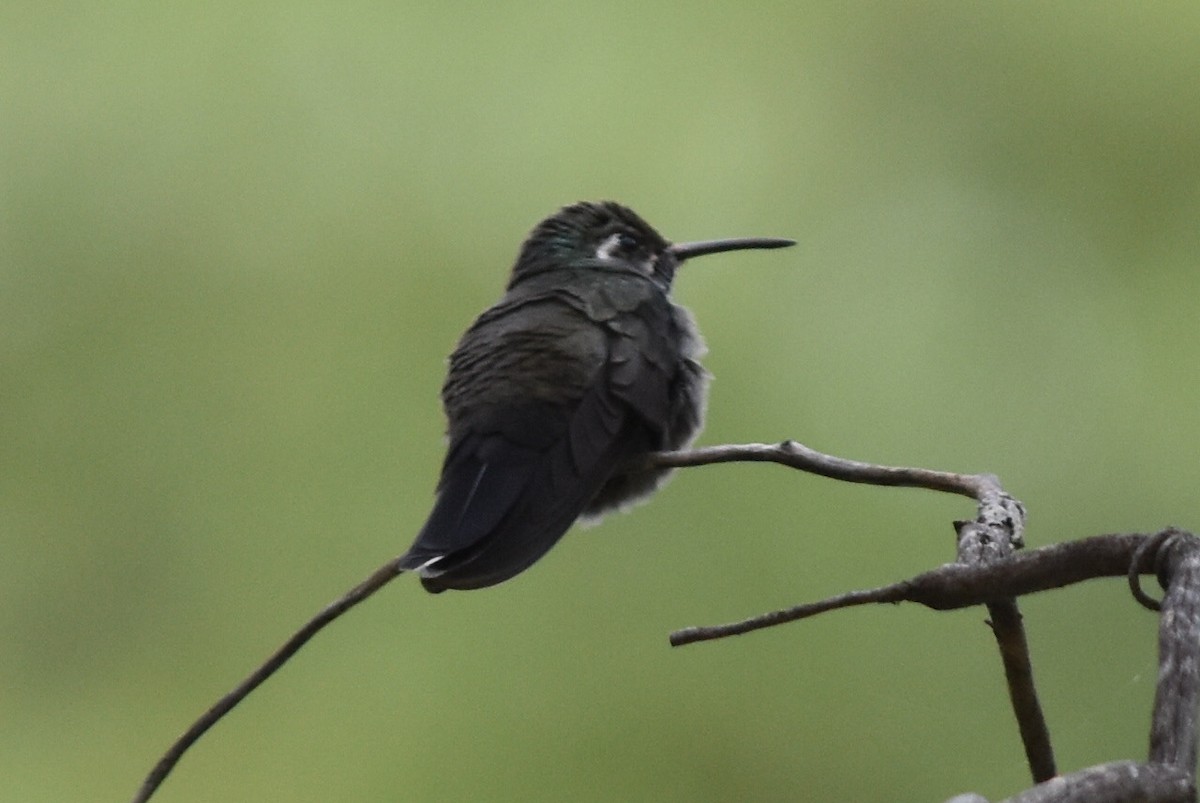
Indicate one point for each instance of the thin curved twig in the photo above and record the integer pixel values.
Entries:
(377, 580)
(1150, 547)
(797, 455)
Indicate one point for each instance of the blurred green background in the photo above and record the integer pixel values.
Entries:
(236, 243)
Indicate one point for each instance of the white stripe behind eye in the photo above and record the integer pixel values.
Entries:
(609, 245)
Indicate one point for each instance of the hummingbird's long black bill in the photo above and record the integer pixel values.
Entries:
(682, 251)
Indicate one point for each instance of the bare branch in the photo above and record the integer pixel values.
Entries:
(1173, 726)
(797, 455)
(953, 586)
(377, 580)
(691, 635)
(1005, 621)
(1115, 782)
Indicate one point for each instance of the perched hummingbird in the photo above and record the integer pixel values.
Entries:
(556, 395)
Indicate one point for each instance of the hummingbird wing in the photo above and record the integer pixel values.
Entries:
(575, 401)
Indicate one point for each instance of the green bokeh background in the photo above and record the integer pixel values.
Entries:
(236, 243)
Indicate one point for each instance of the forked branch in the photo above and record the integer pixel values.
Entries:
(988, 572)
(993, 535)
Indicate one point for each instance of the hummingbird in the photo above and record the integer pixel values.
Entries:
(557, 394)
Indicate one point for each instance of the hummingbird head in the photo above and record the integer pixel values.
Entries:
(608, 236)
